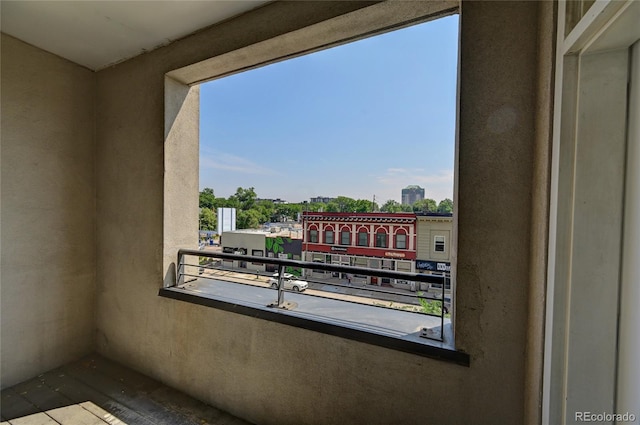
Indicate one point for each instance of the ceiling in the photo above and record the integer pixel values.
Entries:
(97, 34)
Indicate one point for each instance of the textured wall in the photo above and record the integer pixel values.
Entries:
(48, 211)
(271, 373)
(496, 156)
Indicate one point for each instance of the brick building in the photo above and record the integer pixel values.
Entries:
(373, 240)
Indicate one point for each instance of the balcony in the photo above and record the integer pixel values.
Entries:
(98, 196)
(96, 390)
(414, 322)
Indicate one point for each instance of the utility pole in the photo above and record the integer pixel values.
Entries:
(373, 204)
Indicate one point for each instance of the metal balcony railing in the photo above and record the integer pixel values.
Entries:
(186, 269)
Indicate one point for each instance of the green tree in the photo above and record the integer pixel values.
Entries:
(287, 211)
(220, 203)
(445, 206)
(207, 199)
(364, 205)
(248, 219)
(391, 206)
(266, 209)
(332, 206)
(207, 219)
(425, 205)
(232, 202)
(345, 204)
(314, 207)
(245, 199)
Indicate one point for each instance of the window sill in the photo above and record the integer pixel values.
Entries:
(393, 329)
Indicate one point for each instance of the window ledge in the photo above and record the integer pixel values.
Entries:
(394, 329)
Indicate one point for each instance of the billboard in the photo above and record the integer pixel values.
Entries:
(226, 220)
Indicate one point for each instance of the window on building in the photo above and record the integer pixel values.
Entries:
(381, 239)
(313, 236)
(345, 237)
(328, 237)
(439, 243)
(363, 239)
(257, 253)
(401, 241)
(403, 266)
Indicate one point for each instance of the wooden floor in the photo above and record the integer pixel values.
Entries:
(98, 391)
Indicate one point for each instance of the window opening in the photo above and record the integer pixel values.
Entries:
(439, 243)
(328, 237)
(363, 239)
(258, 147)
(381, 239)
(345, 237)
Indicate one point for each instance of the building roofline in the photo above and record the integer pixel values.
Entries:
(432, 214)
(359, 214)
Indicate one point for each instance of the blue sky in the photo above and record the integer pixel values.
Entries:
(363, 119)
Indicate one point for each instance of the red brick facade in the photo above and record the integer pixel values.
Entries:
(372, 240)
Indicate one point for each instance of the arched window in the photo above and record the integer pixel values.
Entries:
(381, 238)
(313, 234)
(329, 236)
(345, 236)
(400, 239)
(363, 237)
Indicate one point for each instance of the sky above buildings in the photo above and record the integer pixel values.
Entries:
(360, 120)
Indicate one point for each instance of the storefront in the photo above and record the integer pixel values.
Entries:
(379, 241)
(440, 270)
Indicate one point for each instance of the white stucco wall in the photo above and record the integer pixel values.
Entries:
(48, 211)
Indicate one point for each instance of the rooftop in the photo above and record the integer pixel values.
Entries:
(359, 216)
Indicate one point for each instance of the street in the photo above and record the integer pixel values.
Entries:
(355, 293)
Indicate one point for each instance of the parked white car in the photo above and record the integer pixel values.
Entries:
(291, 282)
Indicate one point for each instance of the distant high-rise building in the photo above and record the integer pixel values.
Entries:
(321, 200)
(411, 194)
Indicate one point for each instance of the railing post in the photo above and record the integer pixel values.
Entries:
(442, 306)
(280, 286)
(179, 269)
